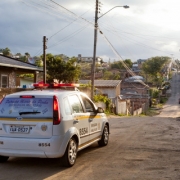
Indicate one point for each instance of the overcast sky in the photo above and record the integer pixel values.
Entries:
(148, 28)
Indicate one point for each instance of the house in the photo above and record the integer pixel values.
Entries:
(11, 68)
(110, 88)
(140, 62)
(89, 59)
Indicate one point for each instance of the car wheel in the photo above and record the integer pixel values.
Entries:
(70, 155)
(105, 137)
(3, 159)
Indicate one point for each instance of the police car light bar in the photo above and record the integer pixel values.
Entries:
(65, 85)
(60, 85)
(41, 85)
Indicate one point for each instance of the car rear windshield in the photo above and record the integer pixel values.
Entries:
(28, 107)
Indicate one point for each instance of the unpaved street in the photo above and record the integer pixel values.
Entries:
(140, 148)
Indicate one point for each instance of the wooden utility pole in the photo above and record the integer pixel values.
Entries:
(44, 58)
(94, 50)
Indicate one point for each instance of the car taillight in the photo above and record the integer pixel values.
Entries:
(56, 112)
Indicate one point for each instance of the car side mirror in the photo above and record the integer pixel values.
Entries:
(100, 110)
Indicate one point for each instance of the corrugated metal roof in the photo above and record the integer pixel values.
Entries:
(102, 83)
(11, 62)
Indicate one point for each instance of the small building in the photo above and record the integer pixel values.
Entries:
(11, 68)
(99, 60)
(109, 88)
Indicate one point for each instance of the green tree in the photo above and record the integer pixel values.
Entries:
(154, 67)
(65, 71)
(23, 58)
(108, 75)
(128, 62)
(38, 61)
(6, 52)
(27, 54)
(120, 64)
(18, 54)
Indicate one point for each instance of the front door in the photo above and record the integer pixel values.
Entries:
(95, 119)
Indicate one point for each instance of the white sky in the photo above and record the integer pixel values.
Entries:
(148, 28)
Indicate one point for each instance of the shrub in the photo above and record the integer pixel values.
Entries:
(104, 99)
(154, 93)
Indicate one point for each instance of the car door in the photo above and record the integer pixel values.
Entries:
(80, 120)
(95, 120)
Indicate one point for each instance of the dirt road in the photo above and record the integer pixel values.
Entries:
(140, 148)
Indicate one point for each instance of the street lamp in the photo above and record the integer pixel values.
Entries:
(95, 42)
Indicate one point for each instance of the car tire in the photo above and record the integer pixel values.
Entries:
(105, 137)
(3, 159)
(69, 158)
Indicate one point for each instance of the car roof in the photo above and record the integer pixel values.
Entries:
(44, 92)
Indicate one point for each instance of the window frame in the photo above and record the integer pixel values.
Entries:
(84, 98)
(7, 85)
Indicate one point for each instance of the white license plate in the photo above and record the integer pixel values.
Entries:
(19, 129)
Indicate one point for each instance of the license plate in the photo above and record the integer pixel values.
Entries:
(19, 129)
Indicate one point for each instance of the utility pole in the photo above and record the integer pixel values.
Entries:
(95, 42)
(94, 53)
(44, 58)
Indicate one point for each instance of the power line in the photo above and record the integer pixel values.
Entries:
(114, 50)
(69, 36)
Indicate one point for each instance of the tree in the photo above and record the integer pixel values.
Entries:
(6, 52)
(23, 58)
(154, 67)
(108, 75)
(18, 54)
(62, 71)
(38, 61)
(120, 65)
(27, 54)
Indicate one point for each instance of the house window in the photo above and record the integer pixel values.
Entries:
(4, 81)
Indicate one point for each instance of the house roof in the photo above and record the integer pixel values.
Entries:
(102, 83)
(12, 62)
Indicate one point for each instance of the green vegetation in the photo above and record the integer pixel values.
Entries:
(154, 92)
(60, 70)
(6, 51)
(104, 99)
(119, 65)
(152, 69)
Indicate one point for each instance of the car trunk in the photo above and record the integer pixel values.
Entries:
(26, 116)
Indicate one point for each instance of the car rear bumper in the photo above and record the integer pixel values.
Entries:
(42, 148)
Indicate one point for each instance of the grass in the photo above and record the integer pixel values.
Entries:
(153, 111)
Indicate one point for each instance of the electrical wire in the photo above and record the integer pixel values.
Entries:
(114, 50)
(67, 25)
(69, 36)
(132, 40)
(135, 35)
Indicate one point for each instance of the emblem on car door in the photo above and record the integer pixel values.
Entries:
(19, 118)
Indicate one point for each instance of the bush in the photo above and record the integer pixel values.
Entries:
(163, 100)
(104, 99)
(154, 93)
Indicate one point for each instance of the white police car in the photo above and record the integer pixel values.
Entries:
(50, 123)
